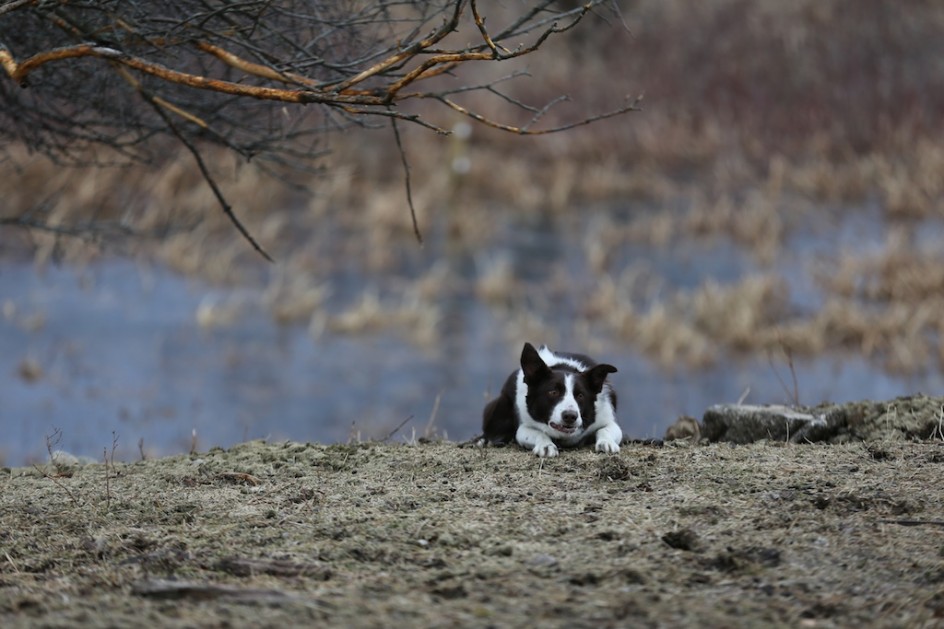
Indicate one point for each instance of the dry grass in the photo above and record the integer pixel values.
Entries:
(697, 328)
(409, 316)
(369, 535)
(757, 114)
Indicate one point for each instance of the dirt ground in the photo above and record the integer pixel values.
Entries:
(437, 535)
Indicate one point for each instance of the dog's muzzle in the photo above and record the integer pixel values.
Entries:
(568, 424)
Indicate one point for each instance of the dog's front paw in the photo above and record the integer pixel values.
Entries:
(545, 450)
(608, 446)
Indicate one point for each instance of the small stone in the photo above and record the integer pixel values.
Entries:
(501, 551)
(543, 561)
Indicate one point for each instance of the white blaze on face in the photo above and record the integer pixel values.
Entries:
(567, 403)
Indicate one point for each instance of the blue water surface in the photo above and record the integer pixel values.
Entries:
(122, 359)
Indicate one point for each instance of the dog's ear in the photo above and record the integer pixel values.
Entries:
(532, 366)
(596, 376)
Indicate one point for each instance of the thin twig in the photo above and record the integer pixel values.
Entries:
(406, 175)
(207, 176)
(480, 23)
(540, 113)
(788, 353)
(396, 430)
(114, 446)
(915, 522)
(58, 484)
(13, 6)
(634, 106)
(388, 113)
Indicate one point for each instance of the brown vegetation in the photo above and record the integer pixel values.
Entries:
(760, 117)
(370, 535)
(108, 84)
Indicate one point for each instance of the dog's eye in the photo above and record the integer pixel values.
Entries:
(553, 393)
(580, 396)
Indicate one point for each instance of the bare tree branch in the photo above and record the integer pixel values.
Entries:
(13, 6)
(406, 176)
(525, 130)
(233, 74)
(403, 55)
(204, 171)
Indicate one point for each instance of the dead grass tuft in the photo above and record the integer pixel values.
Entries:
(695, 328)
(410, 315)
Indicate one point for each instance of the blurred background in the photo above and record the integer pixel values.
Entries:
(767, 229)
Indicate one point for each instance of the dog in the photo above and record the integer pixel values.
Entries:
(554, 399)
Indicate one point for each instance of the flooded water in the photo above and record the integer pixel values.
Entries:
(114, 353)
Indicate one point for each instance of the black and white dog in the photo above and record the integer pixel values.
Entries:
(554, 399)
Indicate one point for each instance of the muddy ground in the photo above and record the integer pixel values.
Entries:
(437, 535)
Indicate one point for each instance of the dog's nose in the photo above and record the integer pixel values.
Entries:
(569, 418)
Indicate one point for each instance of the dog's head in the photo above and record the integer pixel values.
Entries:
(561, 396)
